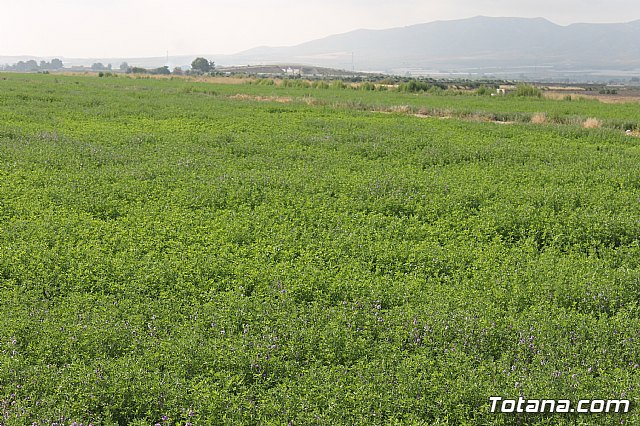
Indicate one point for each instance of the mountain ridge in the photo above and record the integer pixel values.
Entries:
(470, 45)
(533, 48)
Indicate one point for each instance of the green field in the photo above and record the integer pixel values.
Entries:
(249, 254)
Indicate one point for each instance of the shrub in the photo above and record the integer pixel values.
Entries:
(368, 86)
(528, 90)
(319, 84)
(137, 70)
(161, 71)
(265, 82)
(483, 90)
(414, 86)
(338, 84)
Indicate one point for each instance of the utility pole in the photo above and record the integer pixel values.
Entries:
(353, 64)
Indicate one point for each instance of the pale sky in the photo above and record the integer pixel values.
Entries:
(144, 28)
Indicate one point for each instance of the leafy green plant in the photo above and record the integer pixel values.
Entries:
(179, 252)
(527, 90)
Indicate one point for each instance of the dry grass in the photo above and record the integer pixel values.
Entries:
(220, 80)
(244, 97)
(539, 118)
(311, 101)
(401, 108)
(592, 123)
(605, 99)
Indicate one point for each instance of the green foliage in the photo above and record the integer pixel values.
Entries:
(320, 84)
(416, 86)
(367, 86)
(161, 71)
(202, 65)
(137, 70)
(296, 83)
(169, 248)
(527, 90)
(265, 82)
(484, 90)
(98, 66)
(338, 84)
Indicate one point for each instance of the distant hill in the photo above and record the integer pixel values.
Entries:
(481, 46)
(474, 45)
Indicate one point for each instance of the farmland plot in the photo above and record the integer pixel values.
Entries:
(173, 253)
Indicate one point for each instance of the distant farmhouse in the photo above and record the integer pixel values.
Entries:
(286, 71)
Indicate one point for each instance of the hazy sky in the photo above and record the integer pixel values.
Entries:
(129, 28)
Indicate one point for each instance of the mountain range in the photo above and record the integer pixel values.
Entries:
(479, 46)
(474, 45)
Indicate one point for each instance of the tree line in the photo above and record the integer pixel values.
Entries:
(198, 66)
(33, 65)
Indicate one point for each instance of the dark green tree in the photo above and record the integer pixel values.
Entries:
(137, 70)
(202, 65)
(162, 71)
(31, 65)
